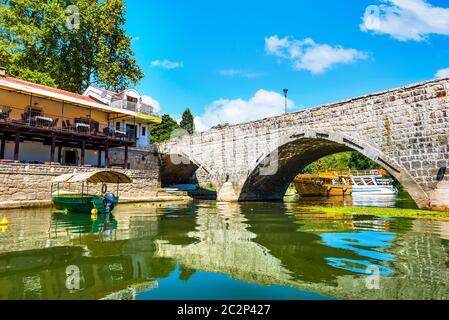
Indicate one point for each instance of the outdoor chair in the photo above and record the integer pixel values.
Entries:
(107, 131)
(69, 126)
(5, 112)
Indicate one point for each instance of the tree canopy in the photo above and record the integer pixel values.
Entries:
(342, 161)
(162, 132)
(68, 44)
(187, 122)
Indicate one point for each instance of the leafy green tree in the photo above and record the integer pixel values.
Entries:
(162, 132)
(342, 161)
(45, 42)
(359, 162)
(187, 122)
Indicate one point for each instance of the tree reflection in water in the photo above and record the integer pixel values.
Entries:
(260, 250)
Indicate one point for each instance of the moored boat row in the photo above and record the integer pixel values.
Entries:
(345, 183)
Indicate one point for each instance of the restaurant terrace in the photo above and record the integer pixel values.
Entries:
(39, 124)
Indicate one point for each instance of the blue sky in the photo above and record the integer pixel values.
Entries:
(228, 61)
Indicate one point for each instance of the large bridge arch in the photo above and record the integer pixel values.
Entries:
(406, 130)
(275, 170)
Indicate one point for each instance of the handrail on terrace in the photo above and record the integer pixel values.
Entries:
(32, 117)
(135, 107)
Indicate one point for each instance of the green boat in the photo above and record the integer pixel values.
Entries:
(83, 202)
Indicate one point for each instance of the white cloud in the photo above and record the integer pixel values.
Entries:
(263, 104)
(406, 20)
(167, 64)
(152, 102)
(443, 73)
(311, 56)
(240, 73)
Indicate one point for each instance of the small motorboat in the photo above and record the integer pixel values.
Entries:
(80, 201)
(182, 187)
(372, 185)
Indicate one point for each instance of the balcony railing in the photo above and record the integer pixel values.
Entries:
(135, 107)
(30, 117)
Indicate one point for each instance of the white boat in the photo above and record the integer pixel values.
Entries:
(372, 185)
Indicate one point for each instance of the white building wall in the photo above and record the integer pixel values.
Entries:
(29, 151)
(142, 141)
(38, 152)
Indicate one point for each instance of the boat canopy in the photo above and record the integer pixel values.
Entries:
(106, 176)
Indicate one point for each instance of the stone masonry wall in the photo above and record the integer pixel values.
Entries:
(30, 185)
(139, 159)
(203, 178)
(405, 129)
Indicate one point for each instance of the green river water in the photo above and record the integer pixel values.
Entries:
(209, 250)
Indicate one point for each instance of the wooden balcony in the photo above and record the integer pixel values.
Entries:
(60, 131)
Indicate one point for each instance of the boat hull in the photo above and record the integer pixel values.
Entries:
(81, 204)
(313, 189)
(375, 191)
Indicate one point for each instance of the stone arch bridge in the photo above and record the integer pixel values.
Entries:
(405, 130)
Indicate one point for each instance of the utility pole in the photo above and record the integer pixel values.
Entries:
(286, 95)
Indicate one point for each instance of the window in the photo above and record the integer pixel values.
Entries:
(131, 103)
(132, 99)
(118, 125)
(33, 111)
(144, 131)
(358, 182)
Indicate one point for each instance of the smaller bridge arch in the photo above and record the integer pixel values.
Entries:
(178, 169)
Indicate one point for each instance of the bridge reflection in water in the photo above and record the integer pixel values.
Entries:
(202, 250)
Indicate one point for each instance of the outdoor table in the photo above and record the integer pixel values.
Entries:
(47, 122)
(85, 127)
(121, 133)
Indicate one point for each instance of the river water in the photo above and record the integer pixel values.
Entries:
(209, 250)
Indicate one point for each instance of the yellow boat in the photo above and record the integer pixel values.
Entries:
(345, 183)
(324, 184)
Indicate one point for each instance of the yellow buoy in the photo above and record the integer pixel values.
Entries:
(94, 214)
(4, 222)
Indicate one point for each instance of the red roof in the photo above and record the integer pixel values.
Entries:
(49, 89)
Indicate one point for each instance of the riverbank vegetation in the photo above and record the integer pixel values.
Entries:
(342, 161)
(380, 212)
(163, 131)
